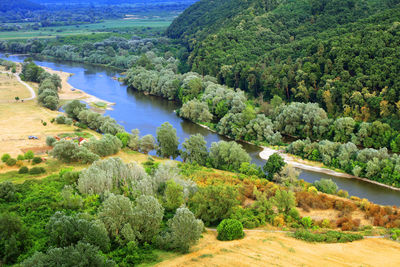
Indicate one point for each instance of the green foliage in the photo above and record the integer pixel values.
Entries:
(284, 200)
(306, 222)
(395, 234)
(228, 156)
(195, 150)
(13, 238)
(73, 108)
(7, 191)
(173, 195)
(230, 229)
(50, 140)
(326, 186)
(147, 143)
(5, 157)
(68, 151)
(274, 165)
(124, 138)
(167, 141)
(23, 170)
(64, 230)
(20, 157)
(106, 146)
(214, 203)
(29, 155)
(328, 237)
(37, 170)
(36, 160)
(81, 254)
(11, 162)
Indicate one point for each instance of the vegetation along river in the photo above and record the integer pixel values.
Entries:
(146, 113)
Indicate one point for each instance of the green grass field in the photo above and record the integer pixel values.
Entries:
(53, 32)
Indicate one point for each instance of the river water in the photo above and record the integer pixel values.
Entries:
(146, 113)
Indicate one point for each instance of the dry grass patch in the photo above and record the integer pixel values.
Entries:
(11, 88)
(276, 249)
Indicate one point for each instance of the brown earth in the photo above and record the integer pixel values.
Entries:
(277, 249)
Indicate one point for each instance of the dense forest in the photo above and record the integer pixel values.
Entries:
(340, 54)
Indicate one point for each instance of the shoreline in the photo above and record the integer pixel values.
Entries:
(291, 160)
(68, 92)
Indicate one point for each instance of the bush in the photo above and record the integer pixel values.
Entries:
(23, 170)
(37, 170)
(29, 155)
(7, 191)
(230, 229)
(36, 160)
(5, 157)
(326, 186)
(11, 162)
(50, 140)
(306, 222)
(328, 237)
(20, 157)
(60, 119)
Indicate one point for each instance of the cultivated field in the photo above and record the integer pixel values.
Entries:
(53, 32)
(277, 249)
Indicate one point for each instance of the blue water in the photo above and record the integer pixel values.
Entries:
(134, 110)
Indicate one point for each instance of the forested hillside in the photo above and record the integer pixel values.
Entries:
(342, 54)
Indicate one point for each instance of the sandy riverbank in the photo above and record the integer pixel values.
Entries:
(310, 166)
(68, 92)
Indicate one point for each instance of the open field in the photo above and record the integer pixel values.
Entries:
(11, 88)
(18, 120)
(277, 249)
(53, 32)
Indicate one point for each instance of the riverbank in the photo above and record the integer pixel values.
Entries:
(306, 164)
(68, 92)
(310, 166)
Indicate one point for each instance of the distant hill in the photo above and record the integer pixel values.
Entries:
(9, 5)
(342, 54)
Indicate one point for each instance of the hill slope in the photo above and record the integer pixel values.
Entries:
(340, 53)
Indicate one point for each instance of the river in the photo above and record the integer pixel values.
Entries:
(146, 113)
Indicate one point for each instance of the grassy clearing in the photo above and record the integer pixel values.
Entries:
(53, 32)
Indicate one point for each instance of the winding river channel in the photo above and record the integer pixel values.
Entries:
(146, 113)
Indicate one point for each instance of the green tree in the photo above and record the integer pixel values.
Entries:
(147, 143)
(228, 155)
(274, 164)
(326, 186)
(214, 203)
(284, 200)
(184, 230)
(168, 141)
(173, 195)
(195, 150)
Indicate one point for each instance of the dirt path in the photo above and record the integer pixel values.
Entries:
(33, 94)
(277, 249)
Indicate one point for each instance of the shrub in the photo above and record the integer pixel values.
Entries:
(230, 229)
(5, 157)
(29, 155)
(44, 123)
(36, 160)
(50, 140)
(328, 237)
(37, 170)
(11, 162)
(306, 222)
(23, 170)
(20, 157)
(7, 191)
(326, 186)
(60, 119)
